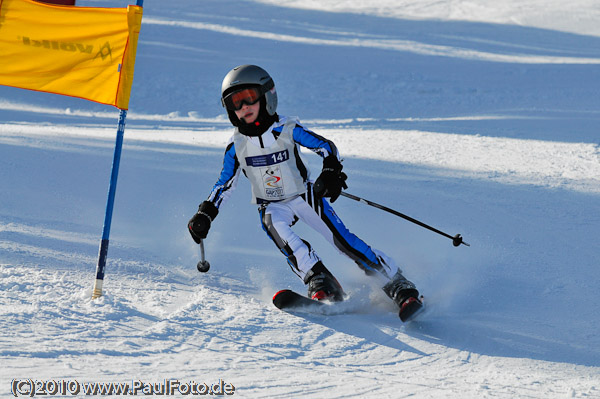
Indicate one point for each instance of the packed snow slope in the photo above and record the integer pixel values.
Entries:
(477, 119)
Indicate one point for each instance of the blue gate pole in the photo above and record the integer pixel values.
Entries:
(97, 291)
(112, 189)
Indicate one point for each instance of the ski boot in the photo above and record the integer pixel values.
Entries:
(404, 294)
(322, 285)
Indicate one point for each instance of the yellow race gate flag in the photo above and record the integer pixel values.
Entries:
(85, 52)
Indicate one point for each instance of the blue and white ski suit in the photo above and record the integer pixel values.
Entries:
(282, 188)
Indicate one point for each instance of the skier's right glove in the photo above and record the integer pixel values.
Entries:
(199, 224)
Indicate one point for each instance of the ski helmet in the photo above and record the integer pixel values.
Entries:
(244, 76)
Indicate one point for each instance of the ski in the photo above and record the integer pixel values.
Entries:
(290, 300)
(410, 309)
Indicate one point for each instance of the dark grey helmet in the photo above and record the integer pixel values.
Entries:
(251, 75)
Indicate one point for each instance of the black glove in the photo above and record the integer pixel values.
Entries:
(330, 182)
(199, 224)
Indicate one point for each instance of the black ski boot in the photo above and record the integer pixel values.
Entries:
(322, 285)
(404, 294)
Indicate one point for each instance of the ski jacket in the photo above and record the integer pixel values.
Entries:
(271, 162)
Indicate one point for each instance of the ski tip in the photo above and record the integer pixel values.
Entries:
(279, 300)
(279, 292)
(410, 309)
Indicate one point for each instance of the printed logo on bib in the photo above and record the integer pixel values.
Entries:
(272, 182)
(270, 159)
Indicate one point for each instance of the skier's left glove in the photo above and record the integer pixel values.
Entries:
(330, 182)
(199, 224)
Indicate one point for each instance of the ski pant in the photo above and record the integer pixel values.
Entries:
(277, 219)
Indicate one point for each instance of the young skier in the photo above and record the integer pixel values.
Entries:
(265, 146)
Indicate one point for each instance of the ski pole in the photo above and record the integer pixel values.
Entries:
(456, 240)
(203, 264)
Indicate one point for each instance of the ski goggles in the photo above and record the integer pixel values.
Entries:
(236, 100)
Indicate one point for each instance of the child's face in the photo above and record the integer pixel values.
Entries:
(248, 113)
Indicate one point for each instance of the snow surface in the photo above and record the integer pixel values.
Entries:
(478, 119)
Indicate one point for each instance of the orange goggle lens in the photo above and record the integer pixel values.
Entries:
(236, 100)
